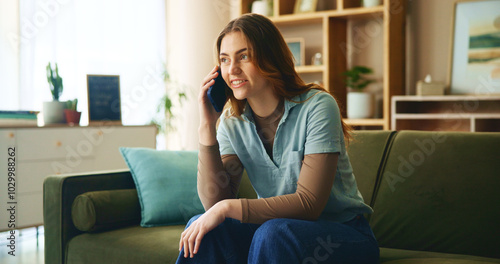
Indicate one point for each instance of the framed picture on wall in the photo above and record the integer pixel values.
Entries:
(475, 48)
(104, 104)
(297, 47)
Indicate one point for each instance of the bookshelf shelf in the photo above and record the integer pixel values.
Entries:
(326, 31)
(448, 113)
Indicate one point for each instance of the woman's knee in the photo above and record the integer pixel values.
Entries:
(275, 241)
(272, 228)
(193, 219)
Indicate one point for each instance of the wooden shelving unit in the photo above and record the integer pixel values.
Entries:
(333, 42)
(446, 113)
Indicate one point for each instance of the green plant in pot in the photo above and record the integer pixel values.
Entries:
(360, 104)
(53, 111)
(72, 115)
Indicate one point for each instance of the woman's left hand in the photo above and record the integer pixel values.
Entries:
(192, 236)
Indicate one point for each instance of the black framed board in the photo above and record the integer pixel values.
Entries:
(104, 99)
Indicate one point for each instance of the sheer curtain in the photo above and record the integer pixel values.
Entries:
(9, 55)
(112, 37)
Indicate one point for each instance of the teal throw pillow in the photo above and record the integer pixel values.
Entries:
(166, 184)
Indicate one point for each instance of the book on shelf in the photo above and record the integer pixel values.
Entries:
(21, 114)
(18, 118)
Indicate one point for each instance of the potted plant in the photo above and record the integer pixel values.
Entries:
(53, 111)
(359, 103)
(72, 115)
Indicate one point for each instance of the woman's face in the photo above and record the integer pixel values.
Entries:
(239, 71)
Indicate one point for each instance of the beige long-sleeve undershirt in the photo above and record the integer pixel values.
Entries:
(219, 178)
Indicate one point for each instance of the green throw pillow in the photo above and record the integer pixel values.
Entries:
(166, 184)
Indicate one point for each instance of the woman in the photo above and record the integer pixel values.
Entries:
(289, 137)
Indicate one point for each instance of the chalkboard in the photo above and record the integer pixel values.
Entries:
(104, 98)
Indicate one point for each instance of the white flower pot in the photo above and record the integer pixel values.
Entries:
(371, 3)
(359, 105)
(261, 7)
(53, 112)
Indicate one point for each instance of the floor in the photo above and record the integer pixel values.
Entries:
(29, 246)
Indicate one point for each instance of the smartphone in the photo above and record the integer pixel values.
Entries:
(217, 93)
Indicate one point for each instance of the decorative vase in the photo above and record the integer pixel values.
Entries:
(261, 7)
(359, 105)
(371, 3)
(53, 112)
(72, 117)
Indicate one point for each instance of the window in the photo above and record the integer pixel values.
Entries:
(111, 37)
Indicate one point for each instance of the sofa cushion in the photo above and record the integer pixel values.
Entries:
(166, 184)
(439, 192)
(127, 245)
(400, 256)
(104, 210)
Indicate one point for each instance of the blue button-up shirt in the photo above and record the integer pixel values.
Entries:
(310, 125)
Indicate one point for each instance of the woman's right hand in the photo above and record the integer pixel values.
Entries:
(208, 115)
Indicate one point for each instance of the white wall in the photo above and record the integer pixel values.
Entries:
(192, 29)
(429, 25)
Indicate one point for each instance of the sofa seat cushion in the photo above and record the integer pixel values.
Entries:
(127, 245)
(401, 256)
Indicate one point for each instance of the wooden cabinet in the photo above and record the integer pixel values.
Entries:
(447, 113)
(36, 152)
(327, 31)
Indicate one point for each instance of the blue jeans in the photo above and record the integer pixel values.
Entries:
(287, 241)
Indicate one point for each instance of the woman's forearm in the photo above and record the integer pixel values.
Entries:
(207, 133)
(215, 182)
(231, 208)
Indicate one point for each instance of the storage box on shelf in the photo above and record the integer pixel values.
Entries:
(479, 113)
(33, 153)
(327, 31)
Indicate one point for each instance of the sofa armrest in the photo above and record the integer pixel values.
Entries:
(58, 194)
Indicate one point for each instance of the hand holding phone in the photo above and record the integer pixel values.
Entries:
(217, 93)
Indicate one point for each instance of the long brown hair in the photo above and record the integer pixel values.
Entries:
(272, 57)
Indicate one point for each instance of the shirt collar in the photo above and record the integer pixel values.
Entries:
(289, 104)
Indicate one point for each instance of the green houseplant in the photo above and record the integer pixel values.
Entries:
(55, 82)
(53, 111)
(360, 104)
(356, 78)
(174, 96)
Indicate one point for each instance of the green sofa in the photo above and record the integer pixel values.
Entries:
(435, 196)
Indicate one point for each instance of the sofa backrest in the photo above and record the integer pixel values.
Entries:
(246, 190)
(439, 192)
(366, 153)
